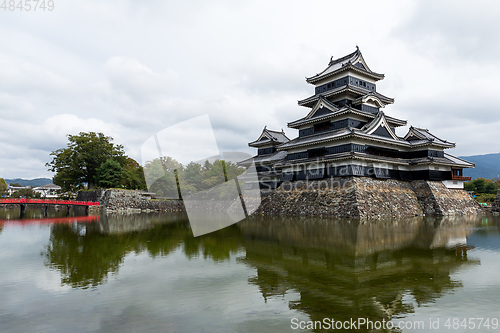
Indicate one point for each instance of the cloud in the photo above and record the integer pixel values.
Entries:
(139, 68)
(136, 80)
(19, 76)
(26, 147)
(448, 31)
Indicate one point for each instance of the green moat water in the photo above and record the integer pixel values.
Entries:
(147, 273)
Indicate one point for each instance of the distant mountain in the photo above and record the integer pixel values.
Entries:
(32, 182)
(487, 166)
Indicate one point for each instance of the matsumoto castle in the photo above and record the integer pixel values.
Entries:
(346, 133)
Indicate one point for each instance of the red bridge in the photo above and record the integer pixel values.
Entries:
(45, 202)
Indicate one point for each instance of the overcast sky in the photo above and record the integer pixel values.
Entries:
(132, 68)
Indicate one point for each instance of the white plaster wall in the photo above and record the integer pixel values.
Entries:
(453, 184)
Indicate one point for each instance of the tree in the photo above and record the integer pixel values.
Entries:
(469, 186)
(491, 188)
(133, 176)
(110, 173)
(482, 185)
(26, 193)
(160, 174)
(3, 185)
(78, 164)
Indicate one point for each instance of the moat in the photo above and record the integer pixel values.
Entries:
(147, 273)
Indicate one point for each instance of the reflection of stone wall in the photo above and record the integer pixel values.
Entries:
(350, 269)
(366, 198)
(117, 223)
(496, 205)
(355, 237)
(124, 200)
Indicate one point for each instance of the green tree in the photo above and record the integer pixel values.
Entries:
(78, 163)
(25, 193)
(491, 188)
(214, 174)
(469, 186)
(482, 186)
(133, 176)
(233, 170)
(110, 173)
(161, 172)
(3, 186)
(192, 176)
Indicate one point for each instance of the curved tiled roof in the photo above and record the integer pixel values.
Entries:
(342, 111)
(361, 92)
(423, 135)
(346, 62)
(269, 136)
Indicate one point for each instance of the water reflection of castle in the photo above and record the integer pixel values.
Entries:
(348, 270)
(341, 269)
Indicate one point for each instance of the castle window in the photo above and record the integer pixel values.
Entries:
(322, 127)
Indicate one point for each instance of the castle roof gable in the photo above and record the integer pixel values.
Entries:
(270, 136)
(322, 107)
(379, 126)
(353, 61)
(423, 135)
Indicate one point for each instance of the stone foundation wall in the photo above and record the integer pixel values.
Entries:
(130, 201)
(350, 197)
(495, 207)
(321, 198)
(366, 198)
(437, 199)
(386, 198)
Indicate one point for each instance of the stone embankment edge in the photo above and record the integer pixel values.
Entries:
(495, 207)
(351, 197)
(114, 200)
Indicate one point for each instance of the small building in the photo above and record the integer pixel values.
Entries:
(346, 133)
(11, 189)
(47, 191)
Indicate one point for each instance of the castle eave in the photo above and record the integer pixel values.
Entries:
(346, 110)
(310, 101)
(338, 68)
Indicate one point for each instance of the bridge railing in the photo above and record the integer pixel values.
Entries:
(48, 202)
